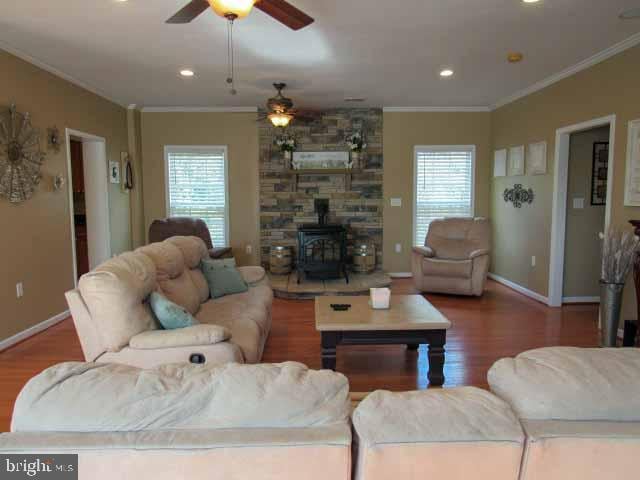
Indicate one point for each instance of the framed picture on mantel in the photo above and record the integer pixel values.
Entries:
(320, 160)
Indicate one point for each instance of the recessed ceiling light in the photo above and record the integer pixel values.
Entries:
(630, 14)
(530, 1)
(354, 99)
(515, 57)
(187, 73)
(447, 72)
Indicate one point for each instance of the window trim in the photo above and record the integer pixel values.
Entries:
(440, 148)
(200, 149)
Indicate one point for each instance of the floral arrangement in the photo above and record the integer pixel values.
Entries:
(618, 252)
(286, 143)
(356, 142)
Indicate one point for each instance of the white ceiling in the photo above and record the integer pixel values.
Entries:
(387, 51)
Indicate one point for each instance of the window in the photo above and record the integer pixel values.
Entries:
(444, 178)
(197, 187)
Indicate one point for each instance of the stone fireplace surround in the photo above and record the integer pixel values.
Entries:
(283, 209)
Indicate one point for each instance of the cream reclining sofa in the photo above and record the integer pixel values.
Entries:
(580, 410)
(554, 414)
(196, 422)
(115, 324)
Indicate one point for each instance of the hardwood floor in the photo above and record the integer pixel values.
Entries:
(502, 323)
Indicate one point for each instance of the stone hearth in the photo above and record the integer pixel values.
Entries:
(283, 209)
(287, 286)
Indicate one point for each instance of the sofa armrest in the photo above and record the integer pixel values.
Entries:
(226, 252)
(252, 275)
(478, 253)
(424, 251)
(197, 335)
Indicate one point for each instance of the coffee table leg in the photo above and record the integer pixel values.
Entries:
(436, 358)
(329, 343)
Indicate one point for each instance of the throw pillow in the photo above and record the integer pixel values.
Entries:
(223, 277)
(170, 315)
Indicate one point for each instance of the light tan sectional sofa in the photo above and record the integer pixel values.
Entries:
(196, 422)
(579, 408)
(115, 324)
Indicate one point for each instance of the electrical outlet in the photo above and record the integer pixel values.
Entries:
(249, 249)
(19, 290)
(533, 261)
(396, 202)
(398, 248)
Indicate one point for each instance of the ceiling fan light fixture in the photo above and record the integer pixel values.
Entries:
(232, 8)
(280, 120)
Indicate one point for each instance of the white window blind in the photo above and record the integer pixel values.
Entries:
(197, 187)
(443, 185)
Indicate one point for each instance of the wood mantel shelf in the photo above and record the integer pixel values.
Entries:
(347, 172)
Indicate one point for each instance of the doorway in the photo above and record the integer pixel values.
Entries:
(583, 182)
(89, 201)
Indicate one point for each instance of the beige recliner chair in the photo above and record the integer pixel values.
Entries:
(455, 258)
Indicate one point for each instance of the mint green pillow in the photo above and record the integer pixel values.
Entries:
(169, 314)
(223, 277)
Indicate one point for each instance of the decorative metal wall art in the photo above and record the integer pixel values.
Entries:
(518, 195)
(20, 156)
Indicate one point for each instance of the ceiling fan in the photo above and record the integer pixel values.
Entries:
(280, 10)
(280, 111)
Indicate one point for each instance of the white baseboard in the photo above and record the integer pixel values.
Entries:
(519, 288)
(401, 275)
(31, 331)
(580, 299)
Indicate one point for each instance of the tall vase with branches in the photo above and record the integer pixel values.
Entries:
(618, 251)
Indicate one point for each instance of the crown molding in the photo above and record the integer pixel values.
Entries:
(434, 109)
(58, 73)
(200, 109)
(630, 42)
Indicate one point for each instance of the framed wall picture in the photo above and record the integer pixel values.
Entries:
(599, 173)
(500, 163)
(516, 161)
(114, 172)
(537, 159)
(632, 175)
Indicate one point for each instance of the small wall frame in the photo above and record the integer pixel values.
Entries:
(537, 159)
(516, 161)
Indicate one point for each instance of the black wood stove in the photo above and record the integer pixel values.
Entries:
(322, 247)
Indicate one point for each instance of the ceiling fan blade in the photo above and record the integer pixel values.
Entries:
(189, 12)
(285, 13)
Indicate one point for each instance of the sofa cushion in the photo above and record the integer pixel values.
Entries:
(181, 337)
(173, 278)
(109, 397)
(222, 279)
(170, 315)
(194, 250)
(435, 267)
(252, 275)
(114, 294)
(563, 383)
(465, 414)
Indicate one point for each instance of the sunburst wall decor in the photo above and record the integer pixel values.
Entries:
(20, 156)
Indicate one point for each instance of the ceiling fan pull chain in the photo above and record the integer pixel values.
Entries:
(230, 58)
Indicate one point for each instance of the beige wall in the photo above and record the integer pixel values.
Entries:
(583, 259)
(608, 88)
(239, 132)
(134, 138)
(35, 244)
(401, 133)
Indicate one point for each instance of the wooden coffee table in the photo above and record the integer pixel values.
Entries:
(410, 320)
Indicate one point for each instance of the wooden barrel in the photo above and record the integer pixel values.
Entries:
(364, 258)
(280, 260)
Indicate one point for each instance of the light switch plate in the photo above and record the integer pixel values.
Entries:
(396, 202)
(398, 248)
(578, 203)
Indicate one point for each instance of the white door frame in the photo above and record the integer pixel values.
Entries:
(560, 187)
(103, 205)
